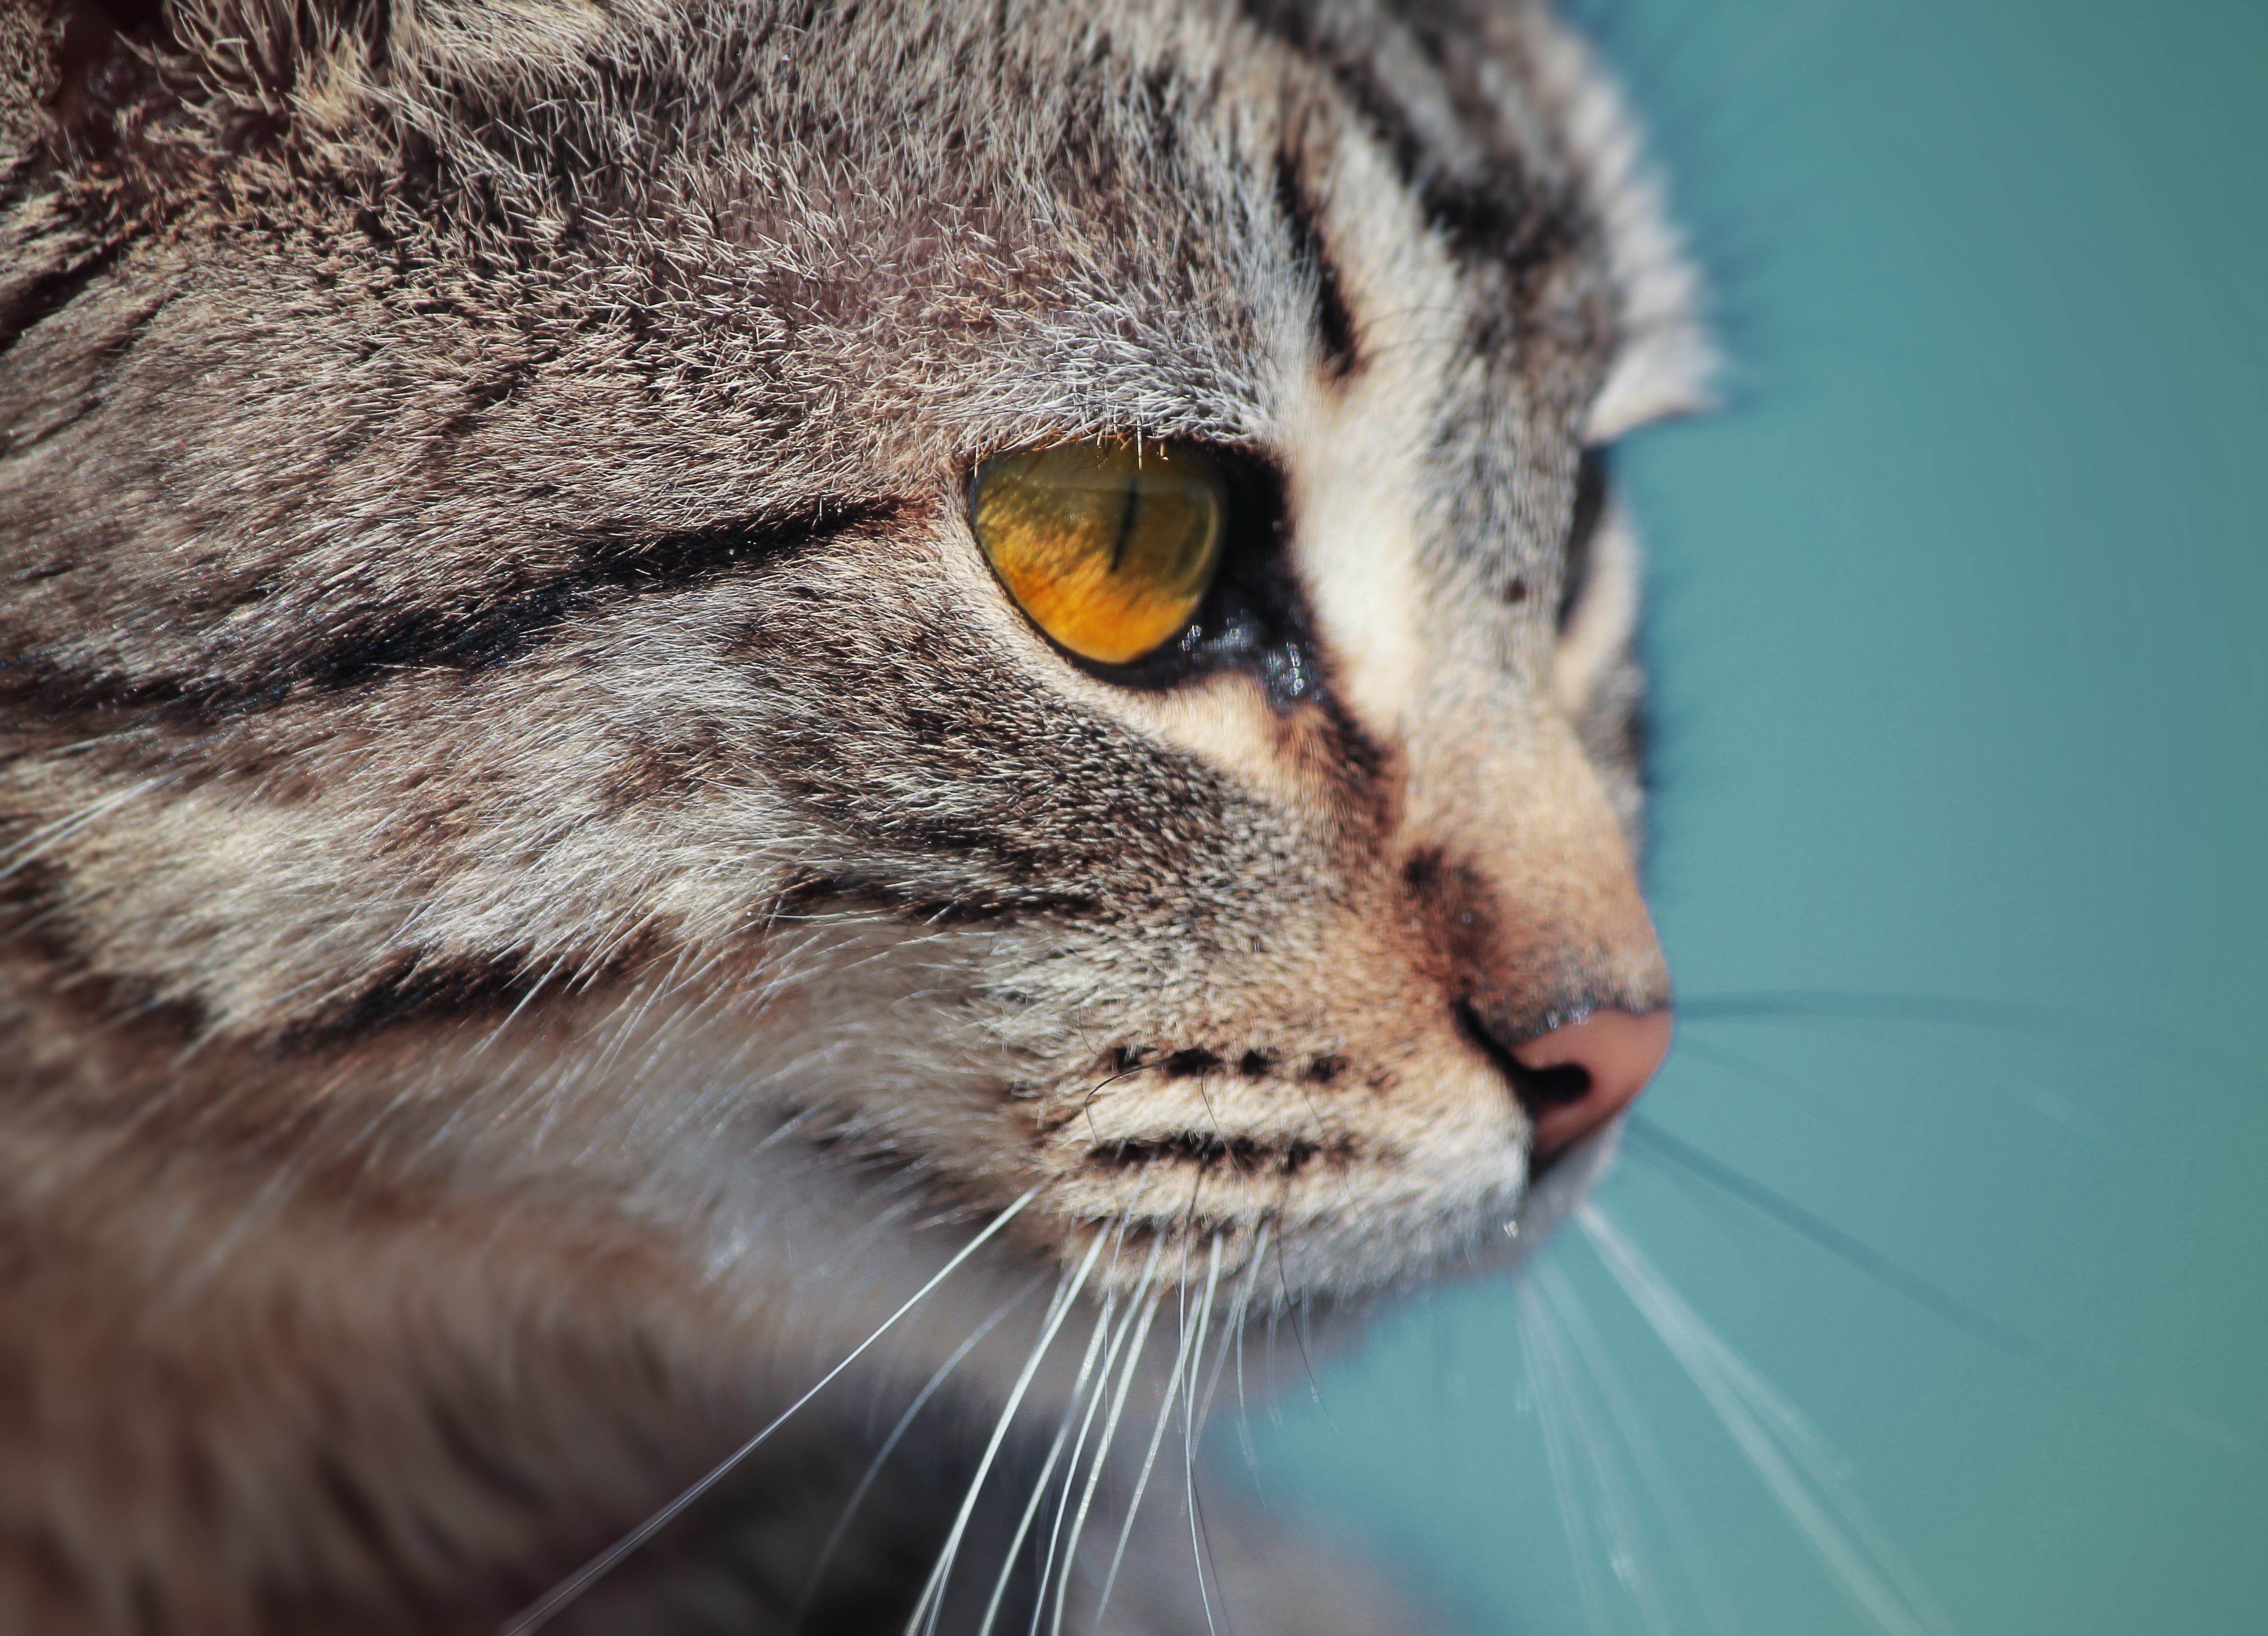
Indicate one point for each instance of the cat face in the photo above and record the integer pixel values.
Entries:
(507, 686)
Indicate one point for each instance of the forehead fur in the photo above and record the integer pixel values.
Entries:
(762, 258)
(483, 493)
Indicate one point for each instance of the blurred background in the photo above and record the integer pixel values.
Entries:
(1927, 1295)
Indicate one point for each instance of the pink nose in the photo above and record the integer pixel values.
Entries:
(1579, 1077)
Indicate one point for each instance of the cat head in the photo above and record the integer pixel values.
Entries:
(507, 689)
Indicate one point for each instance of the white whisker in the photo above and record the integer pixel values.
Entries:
(1232, 1333)
(1598, 1366)
(1796, 1464)
(1617, 1514)
(1190, 1422)
(1150, 1300)
(1150, 1456)
(1040, 1486)
(1110, 1355)
(1237, 1319)
(539, 1612)
(932, 1601)
(889, 1445)
(1550, 1390)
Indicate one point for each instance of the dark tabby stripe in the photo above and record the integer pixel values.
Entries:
(1493, 214)
(48, 294)
(484, 634)
(1208, 1151)
(815, 898)
(363, 645)
(418, 987)
(1335, 328)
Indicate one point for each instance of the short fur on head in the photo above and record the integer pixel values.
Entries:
(537, 853)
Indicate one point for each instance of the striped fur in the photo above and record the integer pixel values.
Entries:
(540, 875)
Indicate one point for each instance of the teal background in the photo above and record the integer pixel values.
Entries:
(1956, 633)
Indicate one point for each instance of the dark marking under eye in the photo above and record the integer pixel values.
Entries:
(421, 986)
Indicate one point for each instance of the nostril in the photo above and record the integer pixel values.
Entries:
(1559, 1085)
(1577, 1077)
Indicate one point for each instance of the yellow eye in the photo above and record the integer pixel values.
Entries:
(1109, 548)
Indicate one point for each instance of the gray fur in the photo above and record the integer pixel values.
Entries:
(545, 886)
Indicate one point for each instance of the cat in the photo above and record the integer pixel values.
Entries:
(703, 693)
